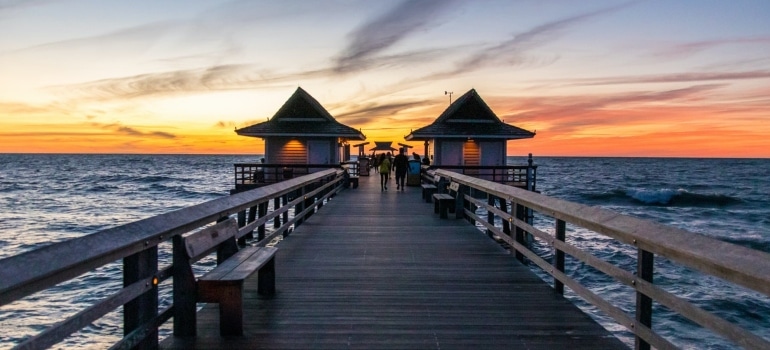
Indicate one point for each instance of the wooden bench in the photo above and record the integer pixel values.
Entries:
(444, 202)
(223, 284)
(429, 189)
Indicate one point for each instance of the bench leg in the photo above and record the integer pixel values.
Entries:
(266, 278)
(443, 208)
(428, 194)
(436, 205)
(231, 312)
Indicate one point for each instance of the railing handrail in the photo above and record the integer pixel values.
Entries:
(741, 265)
(733, 263)
(57, 262)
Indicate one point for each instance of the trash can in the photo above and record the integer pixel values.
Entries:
(363, 166)
(413, 175)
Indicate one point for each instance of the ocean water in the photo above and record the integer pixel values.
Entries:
(50, 198)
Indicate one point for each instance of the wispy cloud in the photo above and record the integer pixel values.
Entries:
(691, 48)
(373, 112)
(512, 51)
(129, 131)
(676, 78)
(388, 29)
(568, 113)
(222, 77)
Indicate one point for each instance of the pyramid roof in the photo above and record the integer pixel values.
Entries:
(469, 117)
(301, 115)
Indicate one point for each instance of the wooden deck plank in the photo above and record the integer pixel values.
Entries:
(379, 270)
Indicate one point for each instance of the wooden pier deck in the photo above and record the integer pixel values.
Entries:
(379, 270)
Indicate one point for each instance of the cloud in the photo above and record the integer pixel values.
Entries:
(568, 113)
(374, 112)
(222, 77)
(129, 131)
(388, 29)
(677, 78)
(689, 49)
(512, 51)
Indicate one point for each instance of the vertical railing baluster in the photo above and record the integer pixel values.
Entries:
(241, 223)
(519, 211)
(506, 223)
(490, 214)
(558, 255)
(144, 308)
(261, 228)
(644, 270)
(284, 202)
(299, 207)
(276, 205)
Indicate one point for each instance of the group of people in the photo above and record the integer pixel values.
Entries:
(399, 164)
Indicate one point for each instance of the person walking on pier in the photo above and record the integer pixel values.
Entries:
(401, 164)
(384, 172)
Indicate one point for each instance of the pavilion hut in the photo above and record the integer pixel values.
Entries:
(468, 133)
(302, 132)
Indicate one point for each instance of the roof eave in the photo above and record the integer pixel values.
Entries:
(273, 134)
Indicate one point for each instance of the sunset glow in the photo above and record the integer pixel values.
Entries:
(593, 78)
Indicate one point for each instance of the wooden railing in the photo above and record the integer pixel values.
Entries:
(252, 175)
(734, 264)
(137, 245)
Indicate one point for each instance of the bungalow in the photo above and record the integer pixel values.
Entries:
(303, 132)
(468, 133)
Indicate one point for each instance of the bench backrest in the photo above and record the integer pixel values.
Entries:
(453, 187)
(205, 241)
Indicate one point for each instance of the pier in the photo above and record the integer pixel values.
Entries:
(380, 270)
(357, 267)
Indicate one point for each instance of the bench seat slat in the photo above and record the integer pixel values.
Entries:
(241, 265)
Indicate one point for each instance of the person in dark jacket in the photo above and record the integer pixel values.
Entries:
(401, 164)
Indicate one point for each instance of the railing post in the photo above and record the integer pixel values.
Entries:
(144, 308)
(276, 205)
(490, 214)
(519, 212)
(558, 255)
(530, 177)
(285, 201)
(184, 293)
(241, 223)
(299, 207)
(261, 228)
(644, 270)
(506, 223)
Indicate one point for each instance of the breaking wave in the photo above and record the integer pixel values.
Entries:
(666, 197)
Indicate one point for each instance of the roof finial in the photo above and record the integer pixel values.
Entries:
(450, 95)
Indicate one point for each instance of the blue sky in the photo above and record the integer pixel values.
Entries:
(179, 76)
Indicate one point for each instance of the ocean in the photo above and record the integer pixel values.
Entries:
(51, 198)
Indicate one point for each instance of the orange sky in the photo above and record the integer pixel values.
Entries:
(607, 78)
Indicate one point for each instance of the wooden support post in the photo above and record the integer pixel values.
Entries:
(644, 270)
(285, 201)
(252, 217)
(185, 293)
(558, 255)
(299, 207)
(490, 214)
(309, 200)
(241, 223)
(261, 228)
(144, 308)
(506, 224)
(519, 211)
(276, 205)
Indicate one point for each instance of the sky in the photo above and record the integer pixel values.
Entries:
(657, 78)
